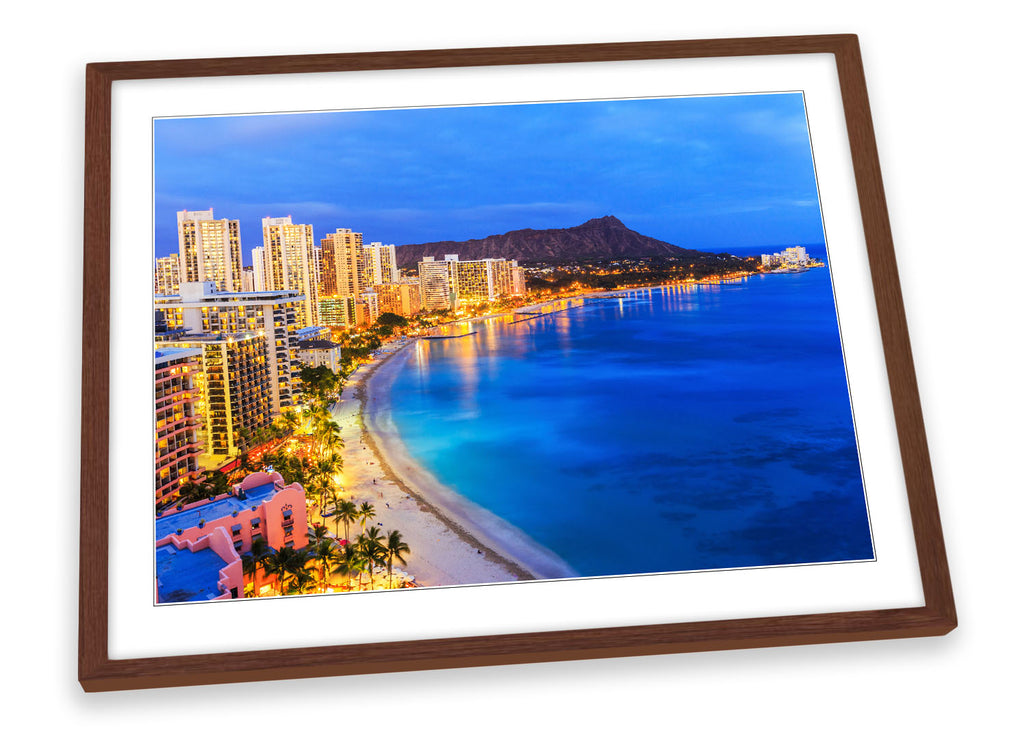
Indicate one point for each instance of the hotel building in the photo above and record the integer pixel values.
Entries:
(271, 315)
(518, 280)
(209, 250)
(449, 283)
(235, 388)
(289, 262)
(350, 311)
(438, 282)
(167, 275)
(793, 256)
(320, 352)
(261, 507)
(205, 570)
(400, 298)
(337, 312)
(177, 419)
(484, 280)
(316, 332)
(379, 265)
(258, 269)
(367, 308)
(341, 260)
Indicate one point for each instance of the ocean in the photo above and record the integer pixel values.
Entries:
(669, 429)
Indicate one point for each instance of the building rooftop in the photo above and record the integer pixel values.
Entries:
(183, 575)
(167, 524)
(310, 344)
(179, 300)
(169, 354)
(190, 338)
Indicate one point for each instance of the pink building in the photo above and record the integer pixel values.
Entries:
(205, 570)
(260, 507)
(177, 423)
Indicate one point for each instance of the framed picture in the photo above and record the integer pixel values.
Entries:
(449, 358)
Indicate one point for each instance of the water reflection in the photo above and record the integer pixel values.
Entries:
(674, 399)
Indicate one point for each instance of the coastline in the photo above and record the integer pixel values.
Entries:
(452, 540)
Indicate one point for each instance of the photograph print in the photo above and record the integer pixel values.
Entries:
(476, 345)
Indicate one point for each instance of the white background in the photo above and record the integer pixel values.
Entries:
(943, 94)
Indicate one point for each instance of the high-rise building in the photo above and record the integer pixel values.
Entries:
(318, 263)
(289, 262)
(248, 279)
(367, 308)
(273, 316)
(351, 311)
(449, 283)
(209, 250)
(341, 261)
(518, 280)
(483, 280)
(328, 284)
(258, 283)
(235, 386)
(400, 298)
(167, 275)
(338, 312)
(438, 280)
(177, 419)
(379, 265)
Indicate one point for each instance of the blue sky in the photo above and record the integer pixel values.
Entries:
(706, 172)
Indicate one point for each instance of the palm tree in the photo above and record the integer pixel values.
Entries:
(331, 443)
(350, 561)
(319, 533)
(253, 561)
(300, 582)
(290, 420)
(326, 553)
(347, 512)
(315, 490)
(316, 415)
(292, 469)
(327, 435)
(213, 483)
(365, 514)
(319, 384)
(372, 549)
(283, 563)
(331, 501)
(324, 471)
(394, 548)
(242, 465)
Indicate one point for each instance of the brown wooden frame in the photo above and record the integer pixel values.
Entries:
(97, 672)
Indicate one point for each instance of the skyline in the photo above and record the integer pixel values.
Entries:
(705, 173)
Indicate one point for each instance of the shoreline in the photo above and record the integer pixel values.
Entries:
(597, 293)
(453, 541)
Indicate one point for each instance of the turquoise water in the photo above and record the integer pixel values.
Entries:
(672, 429)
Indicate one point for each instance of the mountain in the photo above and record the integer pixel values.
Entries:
(597, 239)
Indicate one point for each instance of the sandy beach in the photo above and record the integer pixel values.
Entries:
(452, 540)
